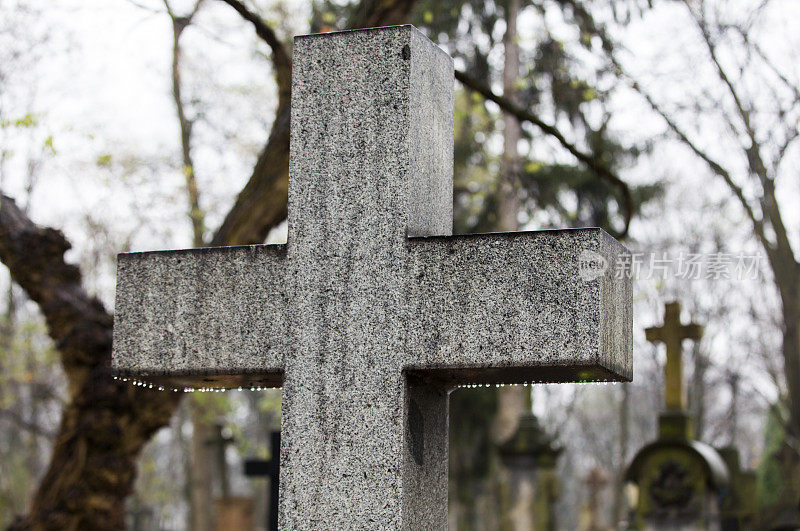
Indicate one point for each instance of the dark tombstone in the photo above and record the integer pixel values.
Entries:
(530, 457)
(233, 513)
(740, 505)
(259, 468)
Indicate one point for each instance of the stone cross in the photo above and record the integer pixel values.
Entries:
(672, 333)
(372, 312)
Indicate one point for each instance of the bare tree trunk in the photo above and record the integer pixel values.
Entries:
(791, 352)
(624, 439)
(508, 189)
(791, 356)
(106, 422)
(186, 458)
(201, 477)
(733, 414)
(510, 399)
(196, 214)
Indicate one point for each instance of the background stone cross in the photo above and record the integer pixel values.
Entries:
(371, 312)
(672, 333)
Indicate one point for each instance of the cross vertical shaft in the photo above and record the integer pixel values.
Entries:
(672, 333)
(371, 163)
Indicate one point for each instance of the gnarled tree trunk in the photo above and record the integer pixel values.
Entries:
(105, 423)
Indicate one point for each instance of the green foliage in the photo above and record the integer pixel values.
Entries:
(770, 472)
(270, 404)
(594, 202)
(552, 81)
(475, 166)
(327, 15)
(28, 120)
(461, 21)
(48, 145)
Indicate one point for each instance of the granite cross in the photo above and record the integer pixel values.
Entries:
(372, 312)
(672, 333)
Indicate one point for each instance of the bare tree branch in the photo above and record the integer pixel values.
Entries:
(261, 205)
(780, 253)
(715, 166)
(280, 56)
(753, 152)
(144, 7)
(196, 215)
(589, 160)
(609, 46)
(769, 204)
(794, 130)
(784, 146)
(775, 70)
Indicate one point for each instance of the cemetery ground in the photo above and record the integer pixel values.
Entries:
(378, 275)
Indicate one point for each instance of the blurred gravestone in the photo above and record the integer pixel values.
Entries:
(681, 482)
(268, 468)
(233, 513)
(529, 457)
(372, 312)
(591, 514)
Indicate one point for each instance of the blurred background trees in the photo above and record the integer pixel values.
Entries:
(147, 124)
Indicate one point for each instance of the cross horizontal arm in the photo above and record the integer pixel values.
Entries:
(654, 334)
(692, 331)
(525, 304)
(202, 316)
